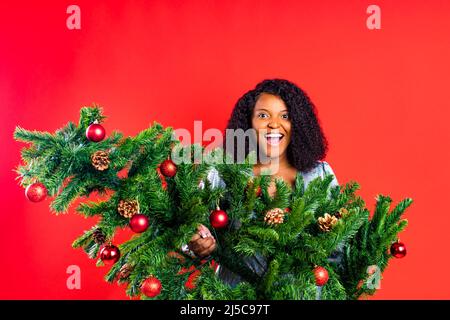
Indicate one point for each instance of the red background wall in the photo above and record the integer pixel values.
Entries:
(382, 97)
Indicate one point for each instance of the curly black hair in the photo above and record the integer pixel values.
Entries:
(308, 143)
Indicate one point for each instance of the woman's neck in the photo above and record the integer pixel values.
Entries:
(274, 166)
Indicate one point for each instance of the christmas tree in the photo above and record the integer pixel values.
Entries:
(310, 242)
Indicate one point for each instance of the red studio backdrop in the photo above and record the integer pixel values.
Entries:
(381, 96)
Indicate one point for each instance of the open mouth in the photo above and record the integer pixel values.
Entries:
(274, 139)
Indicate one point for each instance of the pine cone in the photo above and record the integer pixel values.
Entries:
(100, 160)
(128, 208)
(124, 271)
(98, 236)
(274, 216)
(341, 213)
(327, 222)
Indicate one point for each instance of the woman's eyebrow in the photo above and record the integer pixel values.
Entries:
(259, 108)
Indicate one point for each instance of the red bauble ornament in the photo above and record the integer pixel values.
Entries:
(36, 192)
(95, 132)
(139, 223)
(398, 250)
(321, 275)
(258, 191)
(218, 219)
(151, 287)
(109, 254)
(168, 168)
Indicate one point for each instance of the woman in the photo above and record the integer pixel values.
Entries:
(292, 143)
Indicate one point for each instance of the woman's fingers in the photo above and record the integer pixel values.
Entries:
(203, 231)
(195, 237)
(196, 245)
(201, 244)
(207, 250)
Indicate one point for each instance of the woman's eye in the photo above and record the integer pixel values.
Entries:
(262, 115)
(285, 116)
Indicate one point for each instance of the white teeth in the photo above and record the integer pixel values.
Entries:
(274, 135)
(274, 139)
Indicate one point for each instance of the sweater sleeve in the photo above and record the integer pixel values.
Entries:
(214, 179)
(321, 169)
(326, 169)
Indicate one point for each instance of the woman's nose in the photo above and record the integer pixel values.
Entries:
(273, 124)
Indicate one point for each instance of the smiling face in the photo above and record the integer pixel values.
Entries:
(270, 119)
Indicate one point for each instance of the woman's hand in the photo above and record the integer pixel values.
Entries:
(202, 243)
